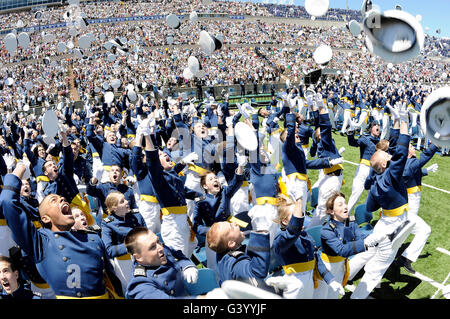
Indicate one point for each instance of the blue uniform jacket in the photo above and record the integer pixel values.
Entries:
(342, 239)
(163, 282)
(366, 144)
(388, 190)
(115, 229)
(294, 160)
(251, 263)
(413, 169)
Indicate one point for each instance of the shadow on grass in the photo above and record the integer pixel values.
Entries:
(392, 278)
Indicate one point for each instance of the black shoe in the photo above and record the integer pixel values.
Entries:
(406, 263)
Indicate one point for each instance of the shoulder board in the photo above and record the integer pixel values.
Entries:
(139, 271)
(235, 253)
(198, 199)
(108, 219)
(332, 225)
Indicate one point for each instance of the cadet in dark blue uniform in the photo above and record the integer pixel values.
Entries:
(295, 251)
(341, 238)
(413, 173)
(234, 260)
(158, 271)
(72, 263)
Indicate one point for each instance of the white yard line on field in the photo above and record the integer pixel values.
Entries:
(426, 185)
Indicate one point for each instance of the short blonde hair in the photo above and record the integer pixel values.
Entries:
(382, 145)
(215, 239)
(375, 162)
(284, 208)
(112, 200)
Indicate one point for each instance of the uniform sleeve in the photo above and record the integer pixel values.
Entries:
(112, 249)
(398, 160)
(339, 248)
(23, 231)
(198, 225)
(257, 266)
(286, 239)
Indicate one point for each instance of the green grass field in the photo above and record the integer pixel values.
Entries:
(435, 208)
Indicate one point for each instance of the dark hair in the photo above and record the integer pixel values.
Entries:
(203, 177)
(131, 238)
(330, 201)
(9, 261)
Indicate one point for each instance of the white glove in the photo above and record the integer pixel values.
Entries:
(242, 111)
(10, 161)
(130, 180)
(337, 161)
(341, 150)
(76, 179)
(50, 147)
(260, 220)
(97, 171)
(373, 239)
(394, 112)
(190, 158)
(337, 287)
(432, 168)
(26, 163)
(403, 114)
(190, 274)
(241, 159)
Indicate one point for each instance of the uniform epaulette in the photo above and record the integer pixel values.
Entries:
(108, 219)
(332, 225)
(198, 199)
(235, 253)
(139, 271)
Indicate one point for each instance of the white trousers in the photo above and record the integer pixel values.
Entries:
(328, 185)
(362, 121)
(347, 120)
(362, 171)
(382, 258)
(123, 270)
(324, 291)
(421, 229)
(192, 182)
(151, 214)
(239, 201)
(176, 233)
(303, 291)
(386, 126)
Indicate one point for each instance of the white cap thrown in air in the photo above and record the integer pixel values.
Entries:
(394, 35)
(317, 8)
(323, 54)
